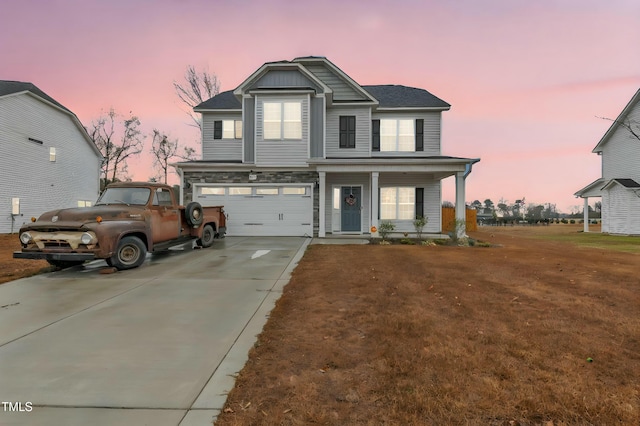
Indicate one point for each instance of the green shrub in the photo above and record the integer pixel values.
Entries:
(385, 229)
(419, 224)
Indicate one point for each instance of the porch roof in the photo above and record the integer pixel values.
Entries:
(591, 190)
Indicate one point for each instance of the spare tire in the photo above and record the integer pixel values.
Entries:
(193, 213)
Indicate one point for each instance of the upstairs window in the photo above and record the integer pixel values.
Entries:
(227, 129)
(52, 154)
(397, 135)
(347, 131)
(282, 120)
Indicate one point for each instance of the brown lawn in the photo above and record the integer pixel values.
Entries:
(531, 331)
(12, 269)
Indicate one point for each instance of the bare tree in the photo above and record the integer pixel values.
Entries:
(631, 125)
(117, 141)
(163, 150)
(196, 88)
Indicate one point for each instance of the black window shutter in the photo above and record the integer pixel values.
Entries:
(217, 129)
(419, 134)
(351, 132)
(419, 202)
(375, 135)
(344, 130)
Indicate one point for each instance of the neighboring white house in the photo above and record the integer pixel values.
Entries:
(619, 185)
(301, 149)
(47, 159)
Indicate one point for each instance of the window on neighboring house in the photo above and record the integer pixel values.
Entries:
(52, 154)
(397, 203)
(227, 129)
(84, 203)
(347, 131)
(397, 135)
(282, 120)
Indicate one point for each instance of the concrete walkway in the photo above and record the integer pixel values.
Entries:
(158, 345)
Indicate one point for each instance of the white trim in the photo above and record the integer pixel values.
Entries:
(340, 231)
(236, 110)
(400, 109)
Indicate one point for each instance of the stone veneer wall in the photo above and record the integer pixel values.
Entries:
(261, 177)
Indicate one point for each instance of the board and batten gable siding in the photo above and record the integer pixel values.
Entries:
(284, 78)
(220, 149)
(276, 153)
(25, 170)
(432, 128)
(432, 199)
(363, 132)
(342, 91)
(621, 153)
(316, 127)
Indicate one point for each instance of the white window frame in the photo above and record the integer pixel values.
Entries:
(231, 129)
(281, 123)
(398, 193)
(398, 130)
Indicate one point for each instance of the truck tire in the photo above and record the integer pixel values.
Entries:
(63, 264)
(208, 234)
(130, 253)
(193, 213)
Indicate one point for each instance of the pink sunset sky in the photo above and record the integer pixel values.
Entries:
(527, 81)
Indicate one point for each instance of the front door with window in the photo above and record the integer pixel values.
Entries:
(350, 209)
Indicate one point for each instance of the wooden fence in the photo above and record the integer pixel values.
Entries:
(449, 219)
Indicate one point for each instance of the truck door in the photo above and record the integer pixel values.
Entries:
(165, 217)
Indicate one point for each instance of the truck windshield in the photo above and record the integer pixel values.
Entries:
(128, 196)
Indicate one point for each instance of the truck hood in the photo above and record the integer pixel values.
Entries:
(89, 214)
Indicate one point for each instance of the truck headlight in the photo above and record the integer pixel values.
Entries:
(86, 238)
(25, 238)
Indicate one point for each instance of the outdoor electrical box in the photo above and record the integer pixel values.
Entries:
(15, 206)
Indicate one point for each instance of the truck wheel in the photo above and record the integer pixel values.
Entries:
(193, 213)
(208, 234)
(130, 253)
(63, 264)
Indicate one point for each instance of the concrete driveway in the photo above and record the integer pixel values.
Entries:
(156, 345)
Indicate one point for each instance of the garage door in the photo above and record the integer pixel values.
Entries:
(262, 210)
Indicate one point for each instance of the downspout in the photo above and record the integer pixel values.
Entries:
(181, 174)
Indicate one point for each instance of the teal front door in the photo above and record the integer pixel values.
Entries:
(350, 209)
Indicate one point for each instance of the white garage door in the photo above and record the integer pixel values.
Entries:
(262, 210)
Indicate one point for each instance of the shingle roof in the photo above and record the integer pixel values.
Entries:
(224, 100)
(396, 96)
(628, 183)
(8, 87)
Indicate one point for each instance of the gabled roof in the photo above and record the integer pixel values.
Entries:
(591, 190)
(279, 65)
(223, 101)
(627, 183)
(8, 87)
(614, 126)
(396, 96)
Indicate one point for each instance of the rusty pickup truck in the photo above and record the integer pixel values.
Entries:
(128, 220)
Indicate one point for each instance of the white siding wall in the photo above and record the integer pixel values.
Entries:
(623, 216)
(282, 152)
(621, 154)
(431, 131)
(25, 169)
(219, 149)
(432, 204)
(363, 132)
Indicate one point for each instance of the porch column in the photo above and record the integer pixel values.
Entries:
(322, 178)
(461, 209)
(586, 214)
(374, 201)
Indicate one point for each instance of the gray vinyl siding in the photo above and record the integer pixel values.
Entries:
(342, 91)
(432, 204)
(317, 128)
(25, 169)
(347, 179)
(220, 149)
(284, 78)
(363, 132)
(277, 153)
(432, 127)
(248, 133)
(621, 153)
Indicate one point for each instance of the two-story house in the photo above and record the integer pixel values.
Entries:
(300, 148)
(47, 159)
(619, 186)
